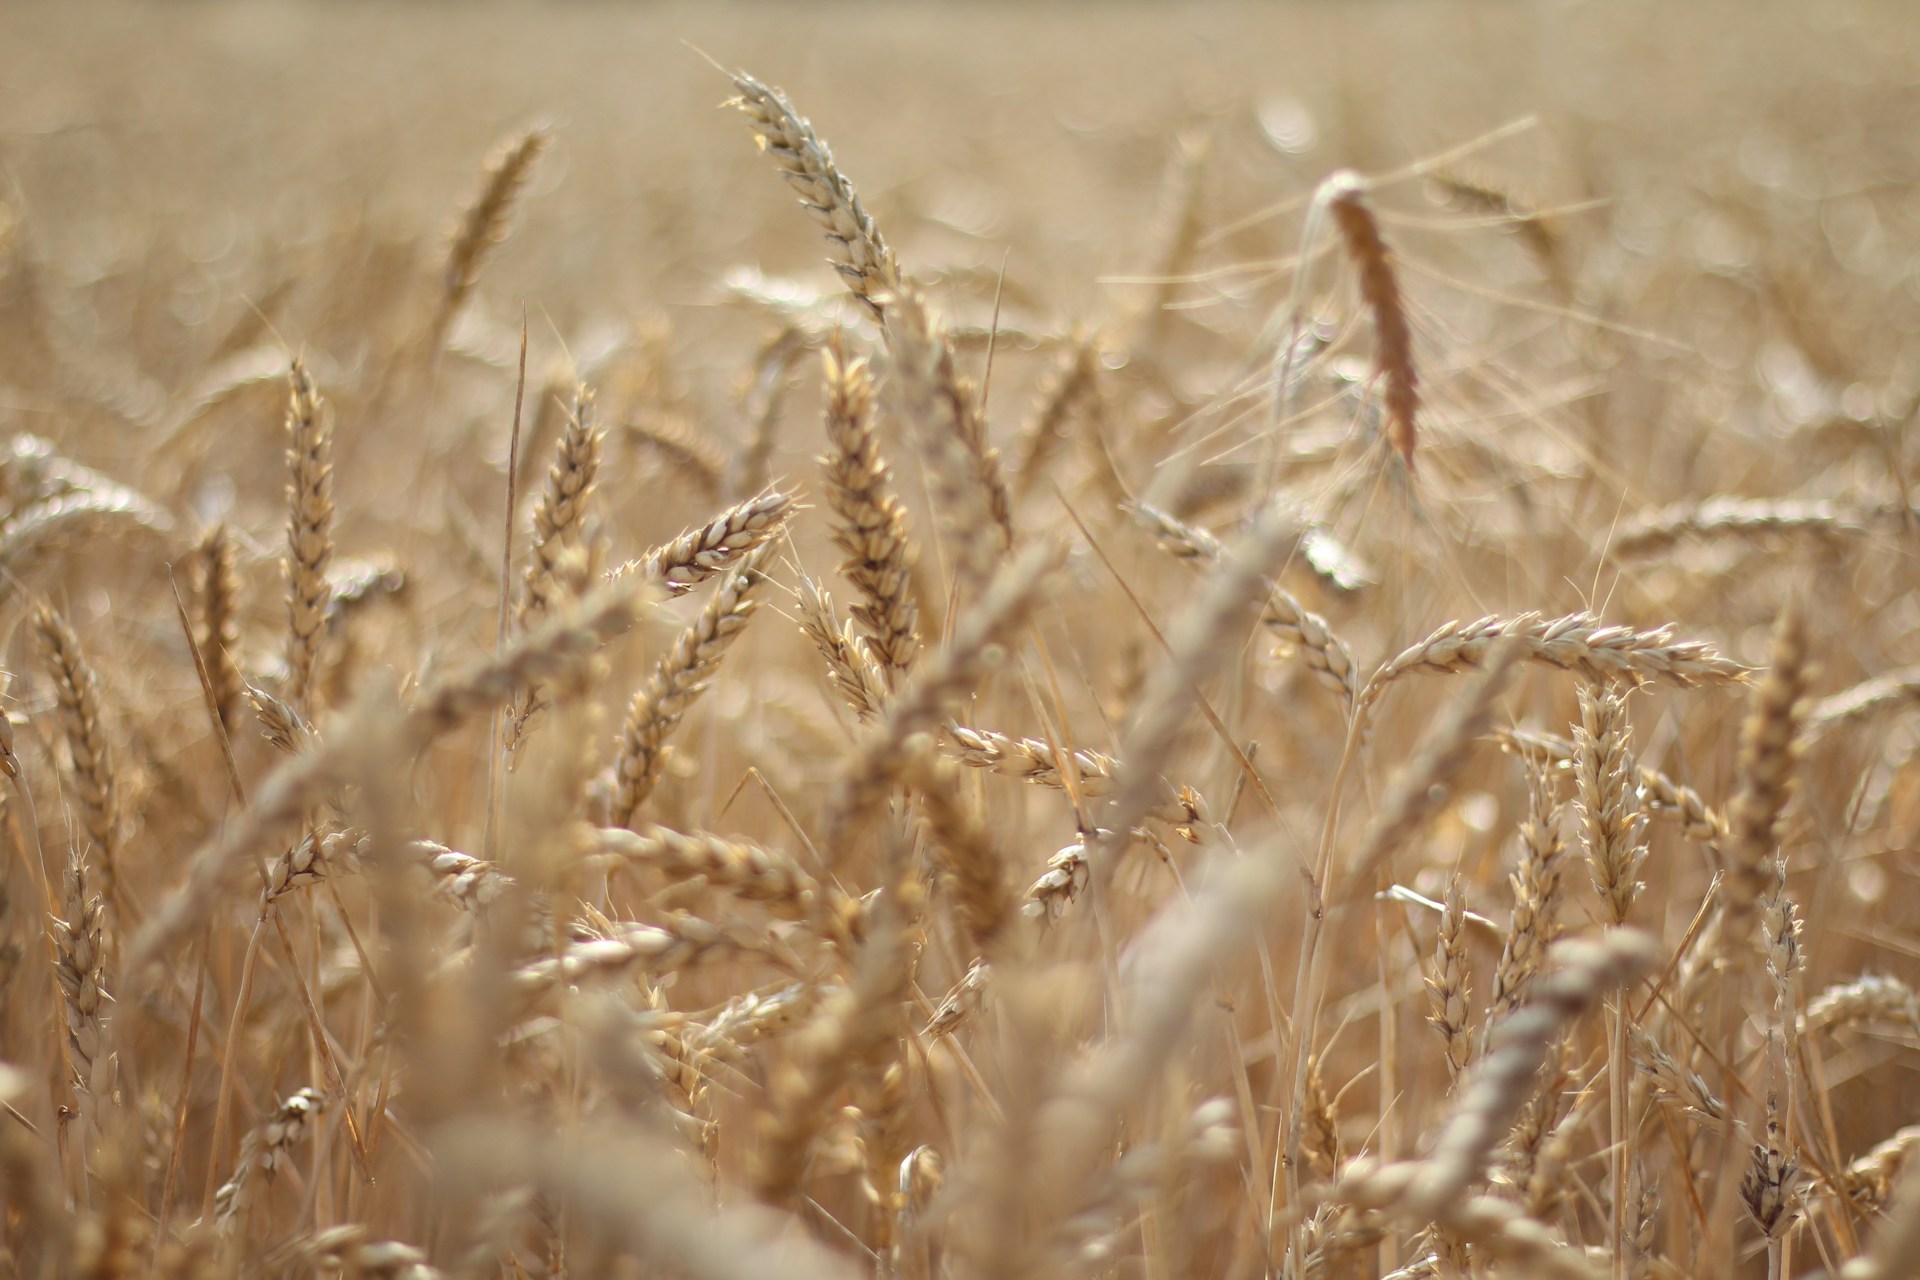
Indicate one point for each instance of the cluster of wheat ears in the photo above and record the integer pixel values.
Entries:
(971, 849)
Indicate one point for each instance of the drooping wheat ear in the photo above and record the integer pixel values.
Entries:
(605, 950)
(1345, 196)
(870, 524)
(854, 1033)
(560, 516)
(216, 585)
(309, 532)
(1609, 799)
(262, 1152)
(678, 680)
(1535, 229)
(1447, 987)
(1750, 519)
(975, 506)
(485, 224)
(1536, 899)
(1675, 1086)
(708, 550)
(972, 865)
(1869, 999)
(77, 693)
(860, 253)
(1769, 750)
(79, 965)
(1068, 386)
(924, 702)
(1578, 642)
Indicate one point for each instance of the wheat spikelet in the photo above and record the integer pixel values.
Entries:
(740, 867)
(971, 862)
(860, 253)
(485, 223)
(1661, 794)
(348, 1250)
(1345, 196)
(870, 524)
(684, 448)
(1869, 697)
(709, 550)
(77, 693)
(679, 679)
(1674, 1085)
(309, 532)
(282, 725)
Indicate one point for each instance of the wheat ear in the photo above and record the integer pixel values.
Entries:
(708, 550)
(860, 253)
(309, 532)
(485, 223)
(1345, 194)
(560, 515)
(870, 524)
(976, 507)
(678, 680)
(216, 582)
(77, 693)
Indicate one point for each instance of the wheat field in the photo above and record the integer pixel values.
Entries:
(1220, 641)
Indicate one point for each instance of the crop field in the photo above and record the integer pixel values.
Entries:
(986, 641)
